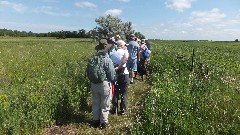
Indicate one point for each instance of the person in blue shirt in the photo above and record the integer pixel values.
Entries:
(113, 48)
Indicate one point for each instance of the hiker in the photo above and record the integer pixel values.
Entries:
(117, 37)
(101, 73)
(139, 41)
(143, 56)
(147, 43)
(113, 47)
(111, 51)
(133, 49)
(120, 59)
(147, 55)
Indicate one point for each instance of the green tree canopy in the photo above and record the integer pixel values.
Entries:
(109, 26)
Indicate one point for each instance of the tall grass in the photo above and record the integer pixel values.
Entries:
(42, 82)
(193, 92)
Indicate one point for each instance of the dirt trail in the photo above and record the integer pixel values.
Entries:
(118, 124)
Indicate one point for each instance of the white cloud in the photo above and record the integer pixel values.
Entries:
(50, 11)
(199, 29)
(18, 7)
(124, 0)
(178, 5)
(85, 4)
(5, 3)
(187, 24)
(206, 17)
(114, 12)
(183, 32)
(233, 32)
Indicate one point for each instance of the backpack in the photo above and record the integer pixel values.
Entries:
(95, 70)
(146, 53)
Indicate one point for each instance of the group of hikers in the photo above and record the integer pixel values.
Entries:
(111, 71)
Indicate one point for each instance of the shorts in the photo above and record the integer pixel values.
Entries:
(132, 64)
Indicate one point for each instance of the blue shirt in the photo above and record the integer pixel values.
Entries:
(111, 51)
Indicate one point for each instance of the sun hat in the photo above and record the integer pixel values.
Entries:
(103, 45)
(121, 43)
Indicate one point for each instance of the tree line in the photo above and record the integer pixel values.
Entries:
(107, 26)
(58, 34)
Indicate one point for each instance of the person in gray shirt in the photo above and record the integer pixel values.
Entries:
(102, 91)
(133, 49)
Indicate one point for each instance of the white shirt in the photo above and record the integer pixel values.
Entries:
(118, 56)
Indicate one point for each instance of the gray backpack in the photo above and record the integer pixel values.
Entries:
(95, 70)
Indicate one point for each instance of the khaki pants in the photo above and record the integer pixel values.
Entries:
(101, 98)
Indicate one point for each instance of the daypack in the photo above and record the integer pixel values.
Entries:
(146, 53)
(95, 70)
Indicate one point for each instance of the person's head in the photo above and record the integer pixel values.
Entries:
(132, 37)
(103, 45)
(121, 44)
(111, 41)
(138, 41)
(143, 46)
(117, 37)
(143, 41)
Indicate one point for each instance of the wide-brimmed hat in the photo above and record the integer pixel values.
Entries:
(103, 45)
(121, 43)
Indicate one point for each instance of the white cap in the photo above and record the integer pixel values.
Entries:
(120, 43)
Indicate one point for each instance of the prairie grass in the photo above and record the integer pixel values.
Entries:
(195, 89)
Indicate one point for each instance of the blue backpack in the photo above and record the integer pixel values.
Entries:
(146, 53)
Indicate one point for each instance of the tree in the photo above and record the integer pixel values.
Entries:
(82, 33)
(236, 40)
(127, 29)
(139, 35)
(109, 26)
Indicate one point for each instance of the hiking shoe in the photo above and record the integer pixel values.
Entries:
(122, 112)
(113, 110)
(96, 123)
(131, 82)
(103, 125)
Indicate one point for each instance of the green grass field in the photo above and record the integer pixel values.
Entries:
(43, 83)
(195, 89)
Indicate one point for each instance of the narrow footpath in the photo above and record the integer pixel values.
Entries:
(119, 124)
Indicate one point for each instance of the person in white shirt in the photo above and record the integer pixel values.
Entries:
(120, 59)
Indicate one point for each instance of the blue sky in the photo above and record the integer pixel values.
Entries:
(161, 19)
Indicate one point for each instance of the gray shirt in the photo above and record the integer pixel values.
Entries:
(133, 49)
(108, 67)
